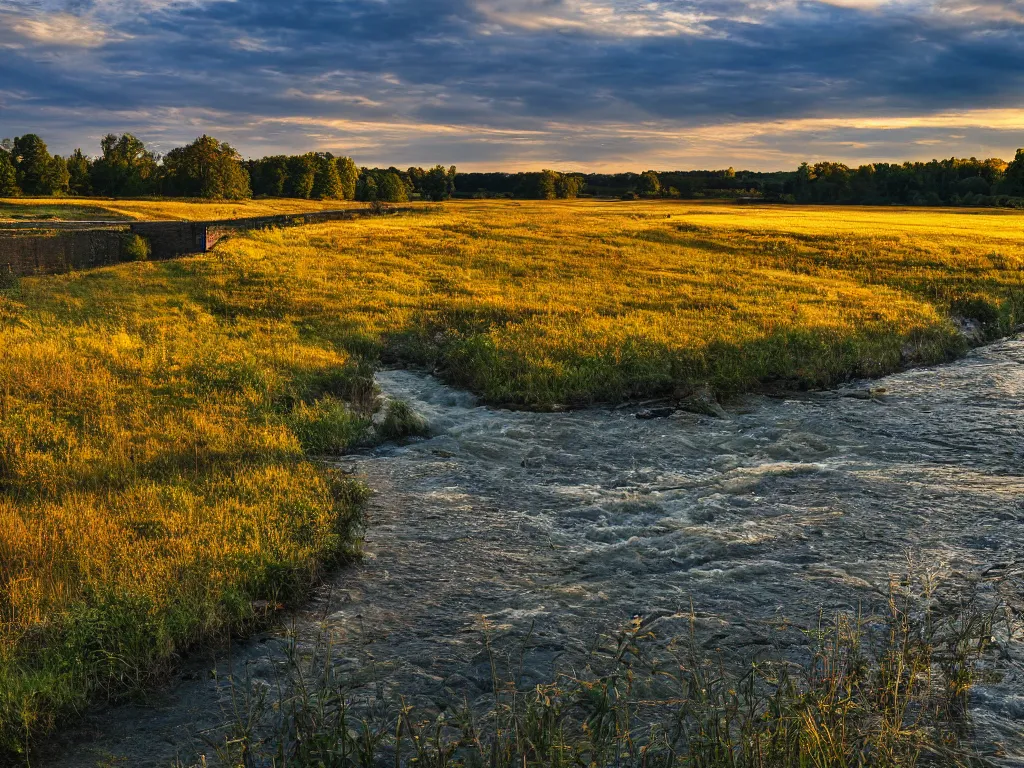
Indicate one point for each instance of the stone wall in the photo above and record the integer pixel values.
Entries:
(217, 230)
(58, 252)
(37, 251)
(168, 239)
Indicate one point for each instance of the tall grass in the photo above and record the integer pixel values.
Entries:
(154, 479)
(882, 690)
(585, 302)
(157, 420)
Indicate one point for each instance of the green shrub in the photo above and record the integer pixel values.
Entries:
(135, 248)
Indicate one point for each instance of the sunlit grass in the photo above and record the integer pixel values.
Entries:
(153, 478)
(584, 302)
(156, 419)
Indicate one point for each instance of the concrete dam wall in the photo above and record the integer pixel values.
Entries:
(42, 249)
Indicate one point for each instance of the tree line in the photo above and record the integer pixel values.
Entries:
(208, 168)
(956, 181)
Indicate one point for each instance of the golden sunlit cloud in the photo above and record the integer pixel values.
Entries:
(399, 128)
(647, 19)
(57, 30)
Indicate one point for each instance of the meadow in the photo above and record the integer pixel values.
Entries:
(161, 422)
(577, 303)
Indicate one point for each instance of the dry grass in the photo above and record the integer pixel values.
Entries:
(156, 419)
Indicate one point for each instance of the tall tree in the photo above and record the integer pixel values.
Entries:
(366, 189)
(416, 177)
(34, 167)
(8, 174)
(57, 178)
(269, 176)
(79, 169)
(438, 183)
(348, 172)
(301, 175)
(538, 186)
(326, 179)
(649, 184)
(391, 188)
(126, 167)
(1013, 178)
(207, 168)
(569, 186)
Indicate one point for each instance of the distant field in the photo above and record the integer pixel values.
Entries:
(87, 209)
(542, 303)
(157, 420)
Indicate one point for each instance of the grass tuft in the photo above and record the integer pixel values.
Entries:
(401, 422)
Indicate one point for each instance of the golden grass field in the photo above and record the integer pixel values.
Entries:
(159, 422)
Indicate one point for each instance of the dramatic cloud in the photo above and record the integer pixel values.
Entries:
(58, 29)
(607, 19)
(525, 83)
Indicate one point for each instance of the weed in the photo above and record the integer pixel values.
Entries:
(880, 690)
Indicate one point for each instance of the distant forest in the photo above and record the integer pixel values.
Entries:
(211, 169)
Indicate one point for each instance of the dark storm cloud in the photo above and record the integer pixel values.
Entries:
(521, 82)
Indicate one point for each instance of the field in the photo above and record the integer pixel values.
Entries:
(160, 422)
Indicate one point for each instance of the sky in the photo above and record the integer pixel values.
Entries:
(598, 85)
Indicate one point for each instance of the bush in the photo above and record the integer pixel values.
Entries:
(135, 248)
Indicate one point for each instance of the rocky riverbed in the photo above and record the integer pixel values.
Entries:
(571, 523)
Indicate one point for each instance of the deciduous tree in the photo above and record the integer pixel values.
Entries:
(126, 167)
(649, 184)
(391, 188)
(301, 176)
(568, 186)
(207, 168)
(8, 175)
(1013, 178)
(36, 171)
(348, 172)
(326, 180)
(79, 170)
(438, 184)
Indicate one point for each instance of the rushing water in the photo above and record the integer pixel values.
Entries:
(571, 523)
